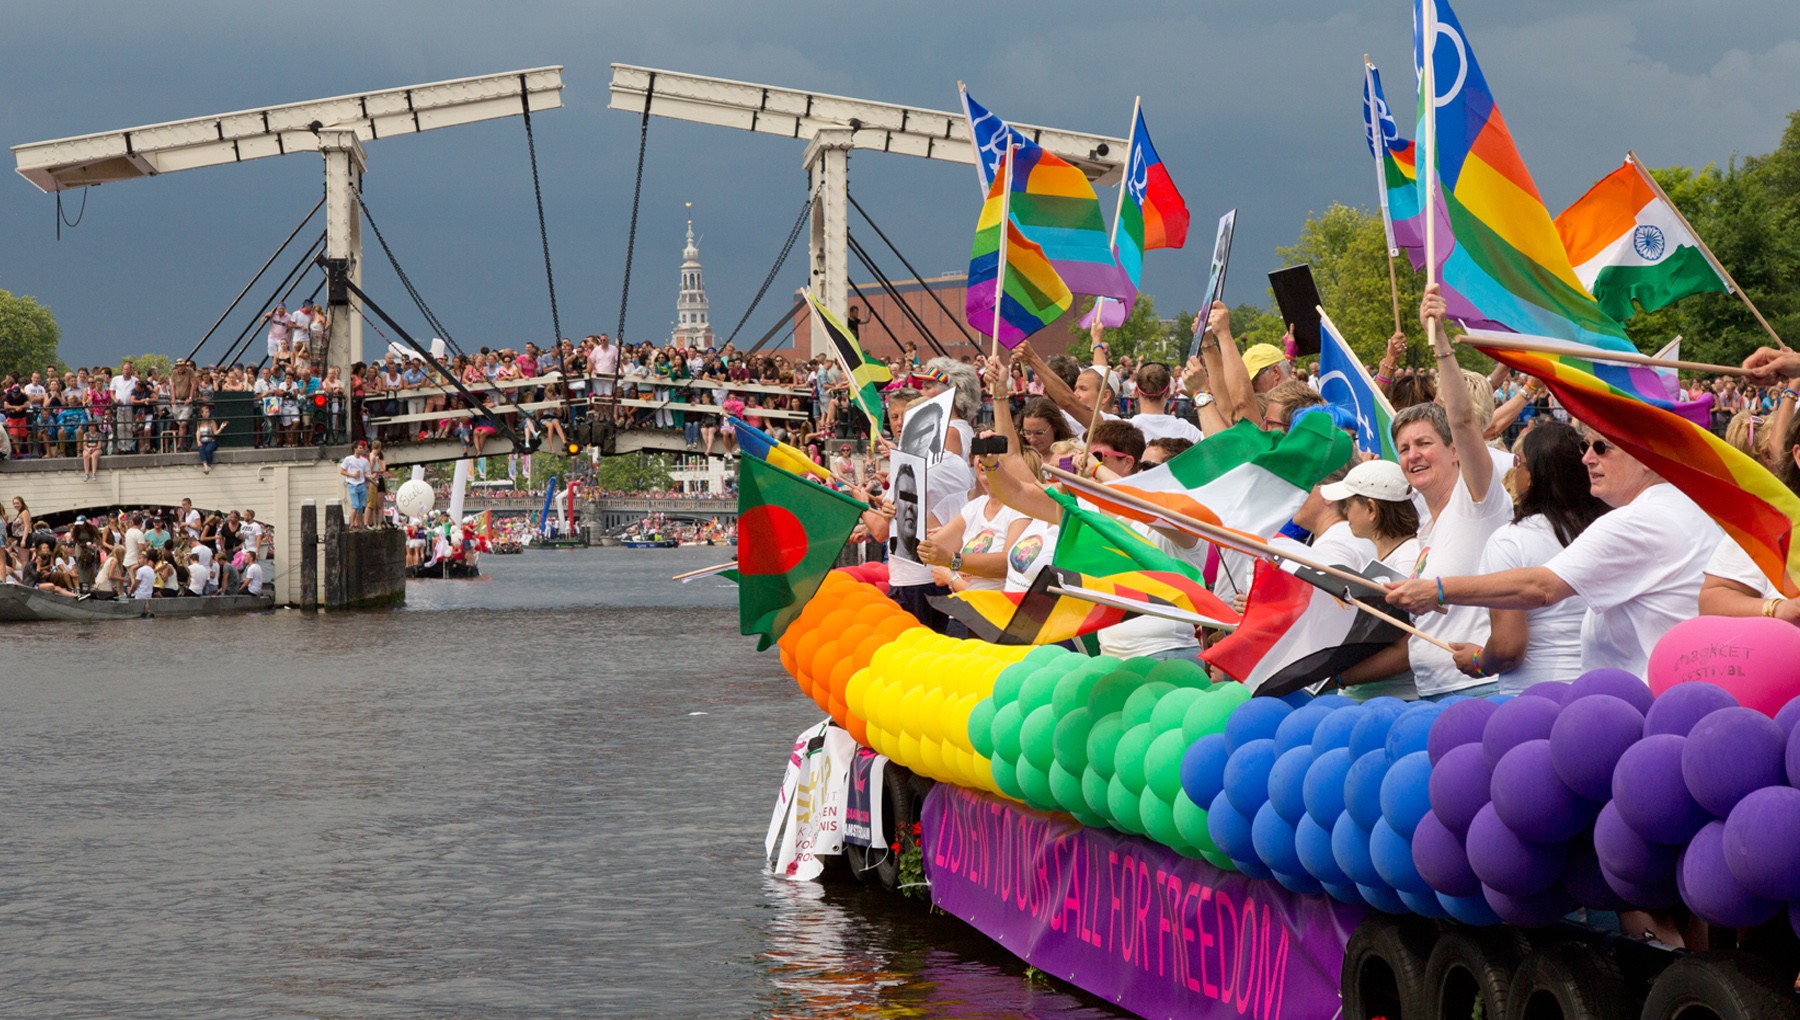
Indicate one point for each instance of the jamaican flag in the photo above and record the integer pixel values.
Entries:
(867, 375)
(790, 532)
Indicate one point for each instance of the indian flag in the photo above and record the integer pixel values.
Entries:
(1627, 241)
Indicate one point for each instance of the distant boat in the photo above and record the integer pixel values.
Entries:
(654, 540)
(446, 569)
(19, 604)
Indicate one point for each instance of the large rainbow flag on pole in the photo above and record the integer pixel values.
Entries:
(1754, 508)
(1151, 215)
(1497, 251)
(1013, 291)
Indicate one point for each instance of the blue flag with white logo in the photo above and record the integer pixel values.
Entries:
(991, 136)
(1345, 383)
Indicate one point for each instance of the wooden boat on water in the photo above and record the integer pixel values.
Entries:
(19, 604)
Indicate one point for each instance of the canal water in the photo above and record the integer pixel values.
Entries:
(540, 793)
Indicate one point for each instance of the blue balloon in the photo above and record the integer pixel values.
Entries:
(1362, 787)
(1412, 729)
(1424, 904)
(1312, 842)
(1323, 790)
(1335, 729)
(1298, 728)
(1382, 898)
(1371, 733)
(1203, 768)
(1406, 792)
(1287, 783)
(1334, 701)
(1305, 885)
(1247, 775)
(1231, 831)
(1273, 838)
(1345, 893)
(1350, 848)
(1392, 855)
(1470, 909)
(1297, 699)
(1256, 719)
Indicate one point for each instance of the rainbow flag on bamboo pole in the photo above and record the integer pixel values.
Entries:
(1013, 291)
(1754, 508)
(1151, 215)
(1629, 243)
(1498, 254)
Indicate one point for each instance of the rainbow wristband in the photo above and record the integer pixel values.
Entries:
(1441, 602)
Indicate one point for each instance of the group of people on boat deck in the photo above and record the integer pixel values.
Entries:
(1537, 559)
(140, 554)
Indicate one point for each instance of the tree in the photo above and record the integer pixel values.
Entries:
(1141, 336)
(1347, 250)
(634, 472)
(147, 363)
(28, 335)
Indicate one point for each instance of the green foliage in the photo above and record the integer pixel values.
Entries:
(912, 881)
(1254, 324)
(147, 363)
(1141, 336)
(28, 335)
(634, 472)
(1347, 250)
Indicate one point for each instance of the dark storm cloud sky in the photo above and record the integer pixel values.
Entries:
(1252, 104)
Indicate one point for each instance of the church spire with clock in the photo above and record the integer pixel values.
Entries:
(692, 327)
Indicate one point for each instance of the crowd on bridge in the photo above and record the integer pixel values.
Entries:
(138, 553)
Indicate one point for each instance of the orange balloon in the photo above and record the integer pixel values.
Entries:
(859, 729)
(824, 659)
(840, 676)
(839, 713)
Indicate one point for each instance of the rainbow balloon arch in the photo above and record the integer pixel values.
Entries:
(1605, 793)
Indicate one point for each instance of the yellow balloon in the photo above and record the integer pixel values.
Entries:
(907, 751)
(853, 691)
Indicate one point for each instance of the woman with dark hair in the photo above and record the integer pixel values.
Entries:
(1734, 585)
(1552, 504)
(1042, 425)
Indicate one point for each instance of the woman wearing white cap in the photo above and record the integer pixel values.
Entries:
(1377, 501)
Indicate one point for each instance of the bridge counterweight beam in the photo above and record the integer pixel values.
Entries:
(827, 165)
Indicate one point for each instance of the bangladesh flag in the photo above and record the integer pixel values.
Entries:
(790, 532)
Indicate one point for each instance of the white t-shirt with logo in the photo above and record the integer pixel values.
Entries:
(984, 536)
(1553, 642)
(1640, 568)
(1030, 554)
(1453, 544)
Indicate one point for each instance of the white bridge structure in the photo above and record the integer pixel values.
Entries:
(831, 126)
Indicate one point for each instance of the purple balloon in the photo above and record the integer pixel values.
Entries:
(1532, 801)
(1650, 793)
(1555, 690)
(1762, 843)
(1459, 787)
(1461, 723)
(1535, 910)
(1392, 855)
(1789, 715)
(1515, 722)
(1584, 882)
(1677, 709)
(1731, 753)
(1515, 866)
(1589, 736)
(1626, 686)
(1630, 856)
(1708, 888)
(1650, 896)
(1441, 861)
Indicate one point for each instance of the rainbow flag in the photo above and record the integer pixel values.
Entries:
(1152, 215)
(1500, 258)
(1754, 508)
(1641, 381)
(1012, 272)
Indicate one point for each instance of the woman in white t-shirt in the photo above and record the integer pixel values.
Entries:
(1376, 501)
(1553, 505)
(972, 545)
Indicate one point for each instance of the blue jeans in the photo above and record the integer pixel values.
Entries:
(207, 450)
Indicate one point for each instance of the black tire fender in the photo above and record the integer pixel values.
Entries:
(1724, 985)
(1384, 969)
(1569, 981)
(1470, 965)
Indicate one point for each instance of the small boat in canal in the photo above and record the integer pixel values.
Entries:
(19, 604)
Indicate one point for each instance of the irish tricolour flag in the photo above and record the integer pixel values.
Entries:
(1627, 241)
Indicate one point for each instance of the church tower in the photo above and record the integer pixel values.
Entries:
(692, 328)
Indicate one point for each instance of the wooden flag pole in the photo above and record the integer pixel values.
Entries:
(1718, 267)
(1378, 145)
(1428, 93)
(1229, 538)
(1536, 345)
(1005, 230)
(703, 571)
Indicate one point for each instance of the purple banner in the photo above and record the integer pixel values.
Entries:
(1130, 920)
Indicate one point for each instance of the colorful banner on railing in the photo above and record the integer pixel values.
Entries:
(1130, 920)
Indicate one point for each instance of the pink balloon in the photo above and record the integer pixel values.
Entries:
(1755, 658)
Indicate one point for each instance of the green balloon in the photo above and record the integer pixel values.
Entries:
(1181, 673)
(1128, 760)
(1122, 806)
(1036, 691)
(1073, 689)
(1209, 711)
(1093, 790)
(1006, 685)
(1217, 859)
(1162, 763)
(1035, 738)
(1071, 739)
(1141, 665)
(981, 727)
(1159, 820)
(1065, 786)
(1190, 821)
(1110, 694)
(1090, 819)
(1006, 731)
(1035, 782)
(1172, 708)
(1143, 701)
(1006, 778)
(1103, 743)
(1046, 653)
